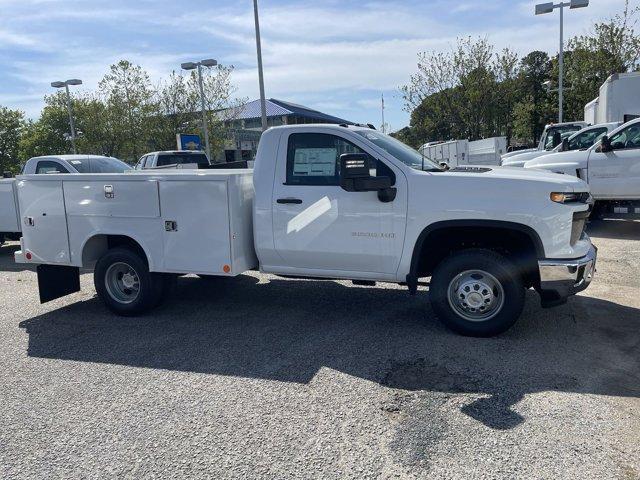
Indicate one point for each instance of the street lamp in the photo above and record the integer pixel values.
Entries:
(549, 7)
(208, 62)
(65, 84)
(263, 103)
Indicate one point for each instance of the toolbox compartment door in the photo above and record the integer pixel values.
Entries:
(8, 207)
(44, 221)
(196, 232)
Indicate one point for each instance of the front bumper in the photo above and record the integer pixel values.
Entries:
(562, 278)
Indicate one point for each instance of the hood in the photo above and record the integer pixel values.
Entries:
(518, 152)
(519, 160)
(568, 183)
(572, 160)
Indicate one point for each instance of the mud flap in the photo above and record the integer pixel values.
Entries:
(55, 281)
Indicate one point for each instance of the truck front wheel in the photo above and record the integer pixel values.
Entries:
(124, 283)
(477, 293)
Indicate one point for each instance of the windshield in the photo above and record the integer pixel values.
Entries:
(400, 151)
(564, 130)
(583, 140)
(99, 165)
(181, 159)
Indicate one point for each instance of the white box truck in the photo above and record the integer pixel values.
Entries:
(618, 100)
(324, 201)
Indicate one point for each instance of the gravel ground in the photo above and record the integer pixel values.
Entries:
(261, 377)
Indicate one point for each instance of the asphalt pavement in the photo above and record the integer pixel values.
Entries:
(264, 377)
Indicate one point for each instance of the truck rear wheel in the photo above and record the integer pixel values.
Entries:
(477, 293)
(124, 283)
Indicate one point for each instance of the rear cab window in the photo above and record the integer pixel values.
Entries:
(181, 159)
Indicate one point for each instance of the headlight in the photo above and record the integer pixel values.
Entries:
(571, 197)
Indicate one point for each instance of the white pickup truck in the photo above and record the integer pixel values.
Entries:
(324, 201)
(611, 167)
(10, 226)
(552, 136)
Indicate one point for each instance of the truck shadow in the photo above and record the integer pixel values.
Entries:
(619, 229)
(287, 330)
(7, 262)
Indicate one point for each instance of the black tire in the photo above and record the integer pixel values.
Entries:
(150, 286)
(495, 275)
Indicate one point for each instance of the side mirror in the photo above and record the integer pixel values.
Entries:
(7, 174)
(355, 177)
(564, 146)
(605, 144)
(557, 139)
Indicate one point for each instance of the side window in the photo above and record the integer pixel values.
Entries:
(140, 163)
(49, 166)
(314, 158)
(627, 138)
(586, 139)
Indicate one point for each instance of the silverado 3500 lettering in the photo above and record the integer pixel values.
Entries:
(483, 235)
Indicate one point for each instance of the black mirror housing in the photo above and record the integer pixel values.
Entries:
(355, 177)
(565, 145)
(557, 139)
(605, 144)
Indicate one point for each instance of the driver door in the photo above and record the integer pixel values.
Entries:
(324, 229)
(616, 174)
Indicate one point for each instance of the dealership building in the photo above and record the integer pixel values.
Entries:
(245, 124)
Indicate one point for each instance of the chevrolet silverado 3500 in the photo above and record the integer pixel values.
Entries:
(324, 201)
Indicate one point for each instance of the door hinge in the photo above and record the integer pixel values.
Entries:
(171, 226)
(28, 221)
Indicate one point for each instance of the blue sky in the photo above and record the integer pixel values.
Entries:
(337, 56)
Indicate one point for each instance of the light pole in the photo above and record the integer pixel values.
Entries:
(549, 7)
(263, 103)
(65, 84)
(209, 62)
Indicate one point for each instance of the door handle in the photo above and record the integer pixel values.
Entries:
(289, 200)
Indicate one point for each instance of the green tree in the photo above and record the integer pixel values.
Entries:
(613, 46)
(12, 124)
(466, 93)
(49, 134)
(127, 93)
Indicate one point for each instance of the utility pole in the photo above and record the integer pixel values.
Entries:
(203, 108)
(263, 103)
(65, 84)
(549, 7)
(208, 62)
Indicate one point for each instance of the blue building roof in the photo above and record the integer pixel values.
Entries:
(279, 108)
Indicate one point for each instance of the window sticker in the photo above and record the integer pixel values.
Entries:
(315, 162)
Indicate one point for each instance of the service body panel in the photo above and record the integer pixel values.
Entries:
(182, 221)
(9, 216)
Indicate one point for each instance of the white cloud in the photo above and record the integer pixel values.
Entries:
(335, 55)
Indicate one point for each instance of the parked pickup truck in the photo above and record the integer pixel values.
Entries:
(611, 167)
(552, 136)
(172, 158)
(323, 201)
(10, 226)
